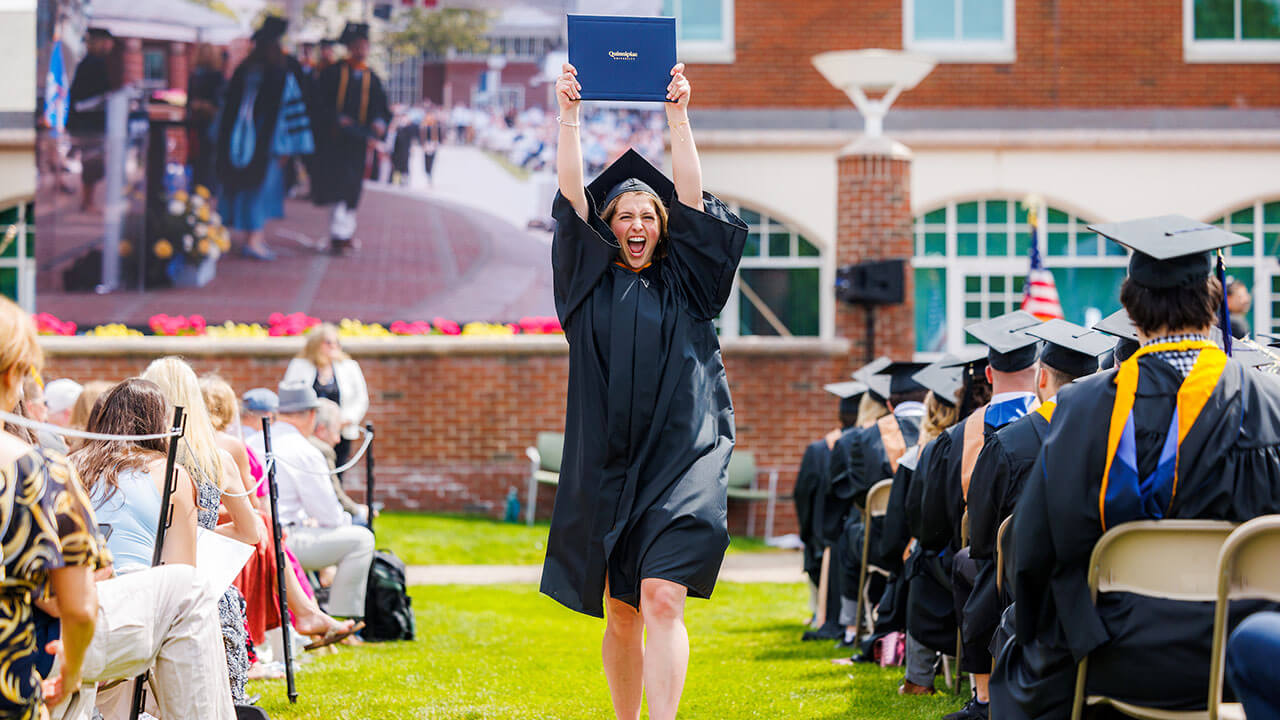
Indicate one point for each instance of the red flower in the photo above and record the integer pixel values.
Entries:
(446, 327)
(47, 324)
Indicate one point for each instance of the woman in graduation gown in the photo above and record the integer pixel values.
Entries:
(641, 267)
(1222, 464)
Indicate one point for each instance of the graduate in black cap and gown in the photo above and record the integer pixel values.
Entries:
(811, 483)
(1068, 352)
(87, 112)
(1011, 359)
(1119, 326)
(888, 551)
(642, 266)
(863, 457)
(1179, 430)
(350, 112)
(832, 509)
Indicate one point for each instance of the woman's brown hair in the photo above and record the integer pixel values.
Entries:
(315, 338)
(938, 416)
(85, 403)
(133, 407)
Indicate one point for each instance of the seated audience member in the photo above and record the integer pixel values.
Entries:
(50, 540)
(257, 579)
(37, 408)
(1203, 442)
(333, 375)
(1252, 670)
(320, 532)
(217, 484)
(255, 405)
(83, 406)
(60, 397)
(328, 434)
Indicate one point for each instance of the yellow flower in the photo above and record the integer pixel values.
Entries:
(181, 196)
(203, 213)
(203, 247)
(223, 243)
(163, 249)
(202, 191)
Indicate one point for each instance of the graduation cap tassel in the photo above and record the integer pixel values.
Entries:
(1224, 321)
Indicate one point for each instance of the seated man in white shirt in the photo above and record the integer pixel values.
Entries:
(320, 531)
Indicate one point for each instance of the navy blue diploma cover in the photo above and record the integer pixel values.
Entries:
(621, 57)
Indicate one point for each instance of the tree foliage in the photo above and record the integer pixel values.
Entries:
(435, 32)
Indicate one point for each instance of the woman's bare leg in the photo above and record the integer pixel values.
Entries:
(623, 653)
(666, 655)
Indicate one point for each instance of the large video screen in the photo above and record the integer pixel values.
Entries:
(193, 165)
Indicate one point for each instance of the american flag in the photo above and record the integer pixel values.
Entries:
(1039, 294)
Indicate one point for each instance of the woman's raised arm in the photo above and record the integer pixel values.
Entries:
(686, 170)
(569, 147)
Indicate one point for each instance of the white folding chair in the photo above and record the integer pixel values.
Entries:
(1248, 567)
(1171, 559)
(876, 505)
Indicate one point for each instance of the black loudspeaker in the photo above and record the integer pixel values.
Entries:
(875, 282)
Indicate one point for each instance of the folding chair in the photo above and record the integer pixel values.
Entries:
(1246, 569)
(1002, 555)
(876, 505)
(1171, 559)
(544, 468)
(742, 486)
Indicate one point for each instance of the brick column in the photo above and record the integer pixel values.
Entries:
(131, 60)
(179, 66)
(874, 223)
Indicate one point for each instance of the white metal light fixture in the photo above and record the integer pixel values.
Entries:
(857, 72)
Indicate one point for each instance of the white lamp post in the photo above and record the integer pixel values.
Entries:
(858, 72)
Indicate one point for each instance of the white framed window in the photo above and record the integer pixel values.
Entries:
(17, 255)
(1254, 263)
(969, 31)
(1231, 31)
(971, 260)
(779, 288)
(704, 29)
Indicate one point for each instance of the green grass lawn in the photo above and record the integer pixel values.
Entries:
(506, 652)
(421, 539)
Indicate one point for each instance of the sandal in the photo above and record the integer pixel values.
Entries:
(334, 636)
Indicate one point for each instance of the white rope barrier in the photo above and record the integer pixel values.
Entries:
(83, 435)
(364, 447)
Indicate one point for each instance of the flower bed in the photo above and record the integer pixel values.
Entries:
(295, 324)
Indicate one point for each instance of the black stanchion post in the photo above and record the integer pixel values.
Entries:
(368, 475)
(276, 533)
(162, 528)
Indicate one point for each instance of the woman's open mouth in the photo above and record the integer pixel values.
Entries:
(636, 247)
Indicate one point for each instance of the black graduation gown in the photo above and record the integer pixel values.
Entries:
(649, 421)
(337, 169)
(998, 475)
(91, 80)
(1141, 649)
(930, 610)
(810, 484)
(887, 549)
(858, 462)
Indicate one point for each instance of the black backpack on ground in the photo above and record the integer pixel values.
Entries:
(388, 610)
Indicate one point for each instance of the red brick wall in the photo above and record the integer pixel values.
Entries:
(1083, 53)
(452, 428)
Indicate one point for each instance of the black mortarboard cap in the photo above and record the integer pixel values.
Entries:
(1168, 251)
(896, 378)
(872, 368)
(943, 379)
(327, 42)
(272, 29)
(1070, 348)
(99, 32)
(973, 358)
(353, 31)
(630, 173)
(1118, 324)
(1009, 348)
(850, 394)
(1251, 355)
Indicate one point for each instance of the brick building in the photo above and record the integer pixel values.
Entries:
(1102, 110)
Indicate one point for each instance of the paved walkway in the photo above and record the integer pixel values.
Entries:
(768, 567)
(421, 256)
